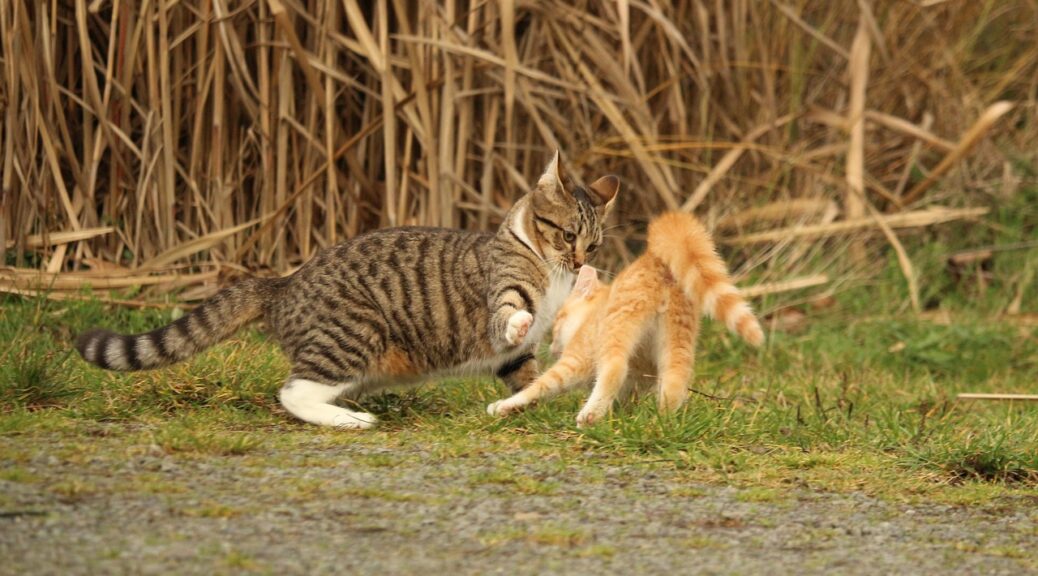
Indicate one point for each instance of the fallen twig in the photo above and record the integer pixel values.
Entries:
(26, 279)
(56, 238)
(784, 286)
(76, 297)
(970, 139)
(980, 396)
(918, 218)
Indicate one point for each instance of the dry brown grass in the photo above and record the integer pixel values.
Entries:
(253, 133)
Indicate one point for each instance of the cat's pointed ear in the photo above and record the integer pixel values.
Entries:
(554, 175)
(587, 281)
(603, 191)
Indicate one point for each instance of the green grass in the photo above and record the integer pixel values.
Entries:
(863, 399)
(199, 438)
(548, 535)
(513, 481)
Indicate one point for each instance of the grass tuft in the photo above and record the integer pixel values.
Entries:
(32, 375)
(991, 457)
(562, 536)
(179, 438)
(210, 509)
(644, 431)
(514, 481)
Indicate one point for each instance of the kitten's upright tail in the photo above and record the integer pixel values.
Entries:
(212, 321)
(686, 248)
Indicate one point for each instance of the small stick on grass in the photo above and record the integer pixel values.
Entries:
(65, 296)
(785, 286)
(980, 396)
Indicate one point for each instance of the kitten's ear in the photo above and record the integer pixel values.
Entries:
(587, 281)
(603, 191)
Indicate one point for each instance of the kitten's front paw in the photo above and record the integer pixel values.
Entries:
(499, 408)
(505, 407)
(518, 325)
(590, 414)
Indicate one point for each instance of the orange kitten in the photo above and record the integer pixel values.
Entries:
(657, 301)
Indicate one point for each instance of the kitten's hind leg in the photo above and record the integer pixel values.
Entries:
(618, 344)
(679, 328)
(313, 402)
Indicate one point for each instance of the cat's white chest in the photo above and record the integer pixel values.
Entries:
(559, 287)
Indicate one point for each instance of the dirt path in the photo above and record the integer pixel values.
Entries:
(315, 509)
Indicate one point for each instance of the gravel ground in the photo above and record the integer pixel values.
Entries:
(351, 509)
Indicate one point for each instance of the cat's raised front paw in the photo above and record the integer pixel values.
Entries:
(518, 325)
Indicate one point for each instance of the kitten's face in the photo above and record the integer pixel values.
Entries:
(567, 218)
(580, 303)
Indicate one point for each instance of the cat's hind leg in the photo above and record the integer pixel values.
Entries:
(676, 354)
(314, 402)
(324, 369)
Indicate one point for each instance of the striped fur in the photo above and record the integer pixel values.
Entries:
(647, 318)
(395, 305)
(216, 319)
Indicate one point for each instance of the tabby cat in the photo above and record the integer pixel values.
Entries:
(648, 316)
(396, 305)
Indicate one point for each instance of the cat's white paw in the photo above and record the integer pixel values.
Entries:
(313, 402)
(518, 325)
(350, 420)
(503, 407)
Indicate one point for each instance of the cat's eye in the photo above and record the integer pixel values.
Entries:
(569, 236)
(592, 247)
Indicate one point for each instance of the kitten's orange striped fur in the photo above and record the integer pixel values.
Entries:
(658, 298)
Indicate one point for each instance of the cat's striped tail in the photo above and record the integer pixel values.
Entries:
(212, 321)
(686, 248)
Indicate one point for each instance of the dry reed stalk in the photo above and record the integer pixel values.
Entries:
(858, 65)
(913, 157)
(904, 262)
(814, 32)
(66, 296)
(970, 139)
(781, 210)
(915, 219)
(26, 279)
(65, 237)
(784, 286)
(728, 160)
(182, 251)
(920, 133)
